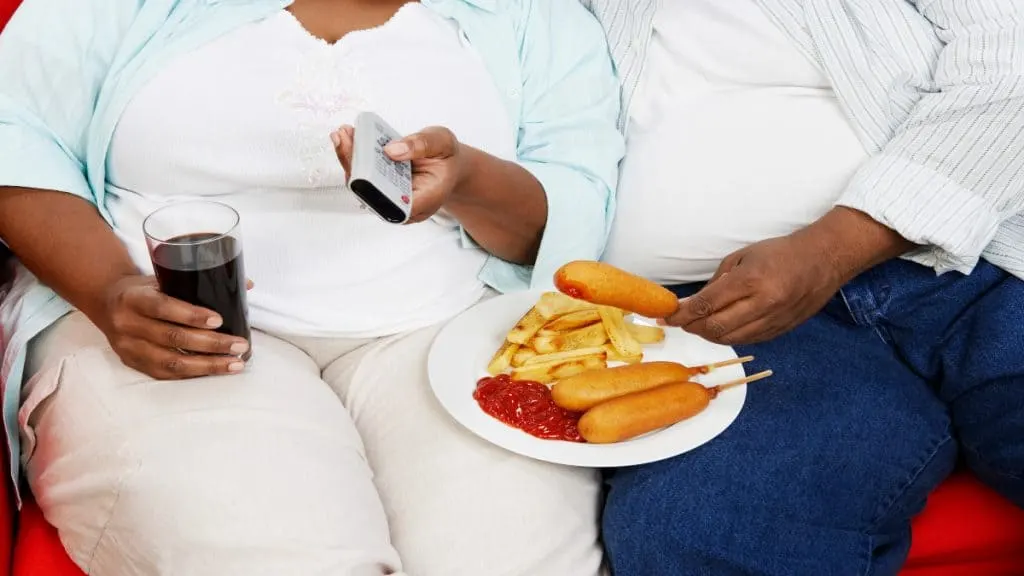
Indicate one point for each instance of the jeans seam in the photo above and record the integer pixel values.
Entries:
(867, 556)
(991, 469)
(910, 481)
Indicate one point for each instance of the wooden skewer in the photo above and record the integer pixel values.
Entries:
(724, 363)
(742, 381)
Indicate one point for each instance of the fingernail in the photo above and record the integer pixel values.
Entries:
(214, 321)
(397, 148)
(239, 347)
(236, 367)
(661, 322)
(336, 138)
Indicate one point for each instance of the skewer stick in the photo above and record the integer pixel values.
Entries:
(724, 363)
(742, 381)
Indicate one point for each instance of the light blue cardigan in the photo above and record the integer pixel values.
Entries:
(68, 68)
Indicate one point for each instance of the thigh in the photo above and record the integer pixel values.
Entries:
(457, 505)
(256, 473)
(982, 370)
(820, 474)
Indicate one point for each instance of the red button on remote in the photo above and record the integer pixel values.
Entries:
(405, 199)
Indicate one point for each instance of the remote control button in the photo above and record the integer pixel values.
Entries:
(405, 199)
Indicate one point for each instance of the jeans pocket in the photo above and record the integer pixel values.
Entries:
(38, 392)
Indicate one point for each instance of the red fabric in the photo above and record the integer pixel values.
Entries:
(966, 530)
(6, 9)
(38, 551)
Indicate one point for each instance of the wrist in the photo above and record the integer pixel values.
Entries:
(853, 242)
(95, 298)
(467, 168)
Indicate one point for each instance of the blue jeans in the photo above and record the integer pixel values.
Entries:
(830, 459)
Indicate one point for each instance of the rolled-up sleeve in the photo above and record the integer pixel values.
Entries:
(54, 56)
(568, 137)
(951, 175)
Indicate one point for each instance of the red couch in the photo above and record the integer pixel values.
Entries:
(966, 529)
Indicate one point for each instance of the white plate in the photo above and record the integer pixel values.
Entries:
(459, 357)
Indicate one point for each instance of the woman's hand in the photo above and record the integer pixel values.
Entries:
(437, 166)
(163, 337)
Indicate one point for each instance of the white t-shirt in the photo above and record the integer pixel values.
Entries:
(246, 120)
(734, 137)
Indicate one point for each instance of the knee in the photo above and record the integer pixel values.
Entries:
(709, 512)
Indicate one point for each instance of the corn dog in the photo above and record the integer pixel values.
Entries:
(600, 283)
(642, 412)
(584, 391)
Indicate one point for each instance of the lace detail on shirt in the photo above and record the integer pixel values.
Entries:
(327, 86)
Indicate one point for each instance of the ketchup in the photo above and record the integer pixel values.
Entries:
(528, 406)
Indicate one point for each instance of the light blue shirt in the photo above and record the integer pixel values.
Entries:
(69, 68)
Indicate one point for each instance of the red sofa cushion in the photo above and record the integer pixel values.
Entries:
(7, 8)
(38, 551)
(966, 530)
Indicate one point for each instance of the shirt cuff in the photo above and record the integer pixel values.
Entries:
(926, 208)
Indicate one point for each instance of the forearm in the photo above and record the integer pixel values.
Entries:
(852, 242)
(62, 239)
(500, 205)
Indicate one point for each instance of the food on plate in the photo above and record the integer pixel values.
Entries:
(552, 370)
(527, 406)
(620, 337)
(641, 412)
(572, 321)
(522, 356)
(503, 358)
(603, 284)
(646, 334)
(614, 356)
(586, 390)
(552, 305)
(527, 327)
(558, 324)
(586, 337)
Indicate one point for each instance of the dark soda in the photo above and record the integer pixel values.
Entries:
(206, 270)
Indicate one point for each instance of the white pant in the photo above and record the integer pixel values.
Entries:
(265, 472)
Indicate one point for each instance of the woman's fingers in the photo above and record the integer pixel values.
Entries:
(167, 364)
(343, 140)
(174, 336)
(152, 316)
(433, 142)
(149, 302)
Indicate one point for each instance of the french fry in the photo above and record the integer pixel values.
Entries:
(527, 327)
(548, 372)
(618, 334)
(572, 321)
(614, 356)
(502, 358)
(646, 334)
(554, 304)
(579, 366)
(556, 357)
(589, 337)
(522, 356)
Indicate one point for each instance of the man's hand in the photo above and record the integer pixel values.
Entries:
(771, 287)
(437, 166)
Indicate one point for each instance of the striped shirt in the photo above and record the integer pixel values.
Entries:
(935, 92)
